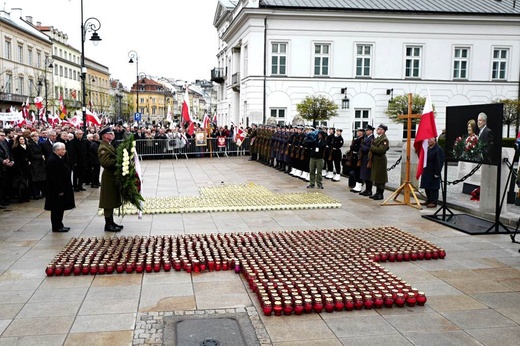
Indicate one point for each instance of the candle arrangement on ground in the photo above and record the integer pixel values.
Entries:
(234, 197)
(291, 272)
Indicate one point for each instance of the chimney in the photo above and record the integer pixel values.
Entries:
(38, 24)
(29, 19)
(17, 12)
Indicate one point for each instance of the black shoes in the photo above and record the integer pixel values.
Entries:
(112, 228)
(61, 230)
(310, 186)
(94, 186)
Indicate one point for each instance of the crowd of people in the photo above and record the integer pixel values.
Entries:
(25, 152)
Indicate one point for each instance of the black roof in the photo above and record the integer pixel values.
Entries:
(422, 6)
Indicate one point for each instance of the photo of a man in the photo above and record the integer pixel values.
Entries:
(485, 136)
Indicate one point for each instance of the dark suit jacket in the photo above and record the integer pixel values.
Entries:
(486, 137)
(58, 181)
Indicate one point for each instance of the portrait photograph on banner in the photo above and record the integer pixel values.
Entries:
(200, 139)
(474, 133)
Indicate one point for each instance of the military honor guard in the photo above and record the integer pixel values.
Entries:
(337, 144)
(378, 161)
(364, 167)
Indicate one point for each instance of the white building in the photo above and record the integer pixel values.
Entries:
(274, 53)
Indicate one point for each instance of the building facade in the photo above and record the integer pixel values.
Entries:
(272, 54)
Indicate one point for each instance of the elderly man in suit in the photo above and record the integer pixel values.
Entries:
(59, 196)
(485, 135)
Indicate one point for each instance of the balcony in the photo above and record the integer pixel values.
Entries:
(14, 98)
(235, 81)
(218, 75)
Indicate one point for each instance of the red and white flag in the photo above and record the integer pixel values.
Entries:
(25, 109)
(215, 120)
(240, 136)
(427, 129)
(169, 115)
(92, 118)
(186, 118)
(63, 109)
(206, 123)
(38, 102)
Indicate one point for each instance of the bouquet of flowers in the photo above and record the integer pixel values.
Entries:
(468, 148)
(127, 178)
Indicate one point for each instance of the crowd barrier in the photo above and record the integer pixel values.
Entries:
(177, 148)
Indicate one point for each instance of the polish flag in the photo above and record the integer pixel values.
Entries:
(92, 118)
(38, 102)
(215, 120)
(25, 109)
(186, 118)
(427, 129)
(240, 136)
(169, 115)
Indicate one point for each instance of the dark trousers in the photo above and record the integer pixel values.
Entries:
(77, 176)
(432, 195)
(94, 174)
(57, 219)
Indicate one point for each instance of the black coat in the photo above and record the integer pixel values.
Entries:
(431, 176)
(21, 162)
(37, 167)
(58, 181)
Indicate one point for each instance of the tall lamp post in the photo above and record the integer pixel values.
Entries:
(135, 57)
(48, 64)
(90, 25)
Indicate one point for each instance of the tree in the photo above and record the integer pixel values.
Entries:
(511, 113)
(399, 106)
(317, 108)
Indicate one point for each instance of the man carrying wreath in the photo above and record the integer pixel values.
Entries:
(109, 196)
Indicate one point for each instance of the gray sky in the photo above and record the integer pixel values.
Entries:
(174, 38)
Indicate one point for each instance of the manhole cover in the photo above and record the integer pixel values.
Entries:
(214, 330)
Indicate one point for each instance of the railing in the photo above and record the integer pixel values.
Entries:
(177, 148)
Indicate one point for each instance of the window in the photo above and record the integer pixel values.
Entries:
(61, 71)
(321, 59)
(363, 60)
(279, 58)
(405, 130)
(413, 62)
(38, 59)
(361, 118)
(460, 63)
(56, 69)
(500, 56)
(29, 57)
(31, 86)
(7, 53)
(20, 53)
(19, 86)
(279, 115)
(8, 83)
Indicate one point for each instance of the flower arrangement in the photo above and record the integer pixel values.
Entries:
(233, 197)
(126, 176)
(468, 148)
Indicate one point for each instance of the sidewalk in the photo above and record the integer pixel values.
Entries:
(473, 294)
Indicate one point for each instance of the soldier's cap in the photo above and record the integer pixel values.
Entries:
(361, 129)
(383, 126)
(370, 127)
(339, 130)
(105, 130)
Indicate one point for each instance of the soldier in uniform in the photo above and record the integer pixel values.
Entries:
(336, 145)
(364, 168)
(109, 197)
(355, 148)
(379, 174)
(329, 166)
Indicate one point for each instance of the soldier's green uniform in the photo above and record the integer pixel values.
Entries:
(379, 174)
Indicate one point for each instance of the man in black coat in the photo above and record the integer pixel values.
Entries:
(59, 196)
(485, 135)
(48, 143)
(78, 160)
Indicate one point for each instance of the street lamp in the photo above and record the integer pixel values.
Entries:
(90, 25)
(48, 64)
(134, 56)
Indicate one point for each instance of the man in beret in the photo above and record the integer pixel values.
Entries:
(379, 174)
(109, 197)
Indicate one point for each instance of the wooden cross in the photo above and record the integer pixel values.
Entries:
(407, 186)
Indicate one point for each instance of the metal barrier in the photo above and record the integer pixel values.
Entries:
(176, 148)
